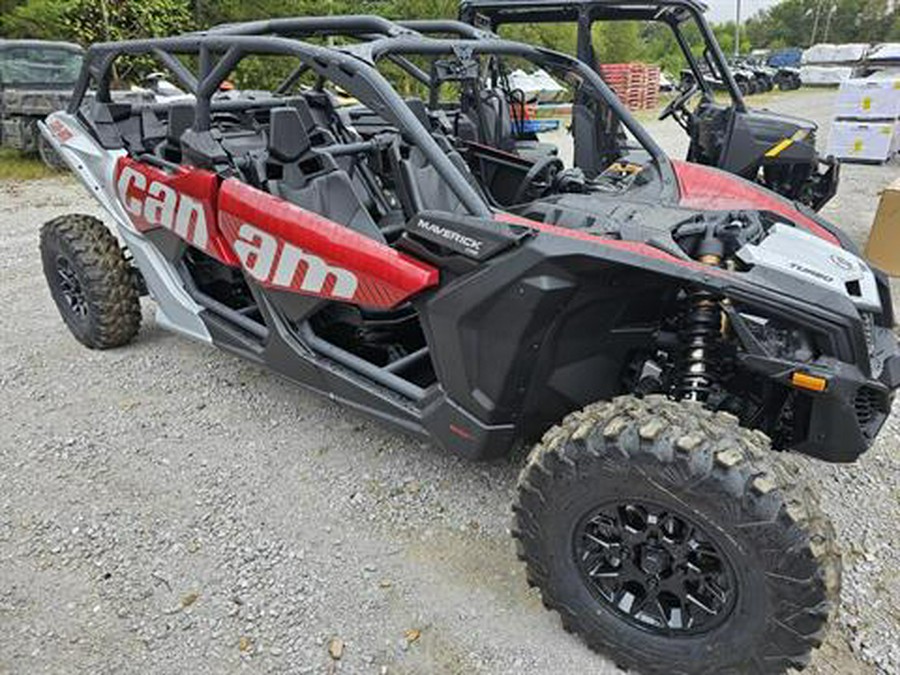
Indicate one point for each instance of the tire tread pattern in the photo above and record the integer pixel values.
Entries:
(703, 450)
(114, 310)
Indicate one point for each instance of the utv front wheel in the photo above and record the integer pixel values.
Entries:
(655, 531)
(90, 281)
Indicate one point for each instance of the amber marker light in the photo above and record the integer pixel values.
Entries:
(809, 382)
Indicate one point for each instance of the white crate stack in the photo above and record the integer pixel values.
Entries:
(829, 65)
(866, 126)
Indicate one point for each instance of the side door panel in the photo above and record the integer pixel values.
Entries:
(285, 247)
(182, 200)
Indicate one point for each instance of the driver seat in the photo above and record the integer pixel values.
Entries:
(421, 186)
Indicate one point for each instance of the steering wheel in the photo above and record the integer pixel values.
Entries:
(679, 102)
(539, 178)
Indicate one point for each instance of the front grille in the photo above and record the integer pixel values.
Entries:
(868, 323)
(870, 406)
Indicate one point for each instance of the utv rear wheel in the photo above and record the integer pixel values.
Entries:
(658, 533)
(91, 282)
(48, 154)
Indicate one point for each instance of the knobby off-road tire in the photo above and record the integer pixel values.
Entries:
(687, 470)
(90, 281)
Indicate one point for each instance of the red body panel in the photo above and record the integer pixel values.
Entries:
(635, 247)
(287, 247)
(183, 202)
(708, 189)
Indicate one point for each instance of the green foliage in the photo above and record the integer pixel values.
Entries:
(789, 23)
(87, 21)
(619, 43)
(799, 23)
(558, 36)
(16, 166)
(94, 21)
(42, 19)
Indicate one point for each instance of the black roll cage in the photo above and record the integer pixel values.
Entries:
(585, 12)
(376, 29)
(350, 67)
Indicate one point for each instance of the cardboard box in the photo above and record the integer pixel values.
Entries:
(883, 247)
(861, 141)
(869, 99)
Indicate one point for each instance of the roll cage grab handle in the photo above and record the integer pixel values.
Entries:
(351, 68)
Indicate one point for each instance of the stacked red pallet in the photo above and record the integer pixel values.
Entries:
(636, 84)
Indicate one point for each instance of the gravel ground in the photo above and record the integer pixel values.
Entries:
(168, 508)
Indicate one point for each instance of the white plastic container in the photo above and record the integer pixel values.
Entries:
(863, 141)
(887, 51)
(825, 75)
(869, 99)
(828, 53)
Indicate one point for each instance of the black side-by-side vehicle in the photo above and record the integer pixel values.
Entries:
(664, 333)
(775, 150)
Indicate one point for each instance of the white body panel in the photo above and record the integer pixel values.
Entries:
(95, 166)
(807, 257)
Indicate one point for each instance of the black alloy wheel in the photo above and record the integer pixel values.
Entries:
(675, 541)
(91, 281)
(655, 568)
(70, 288)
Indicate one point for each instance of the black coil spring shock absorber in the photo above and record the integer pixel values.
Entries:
(700, 332)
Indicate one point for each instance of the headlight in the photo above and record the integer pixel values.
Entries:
(781, 339)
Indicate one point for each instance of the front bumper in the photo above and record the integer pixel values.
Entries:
(842, 422)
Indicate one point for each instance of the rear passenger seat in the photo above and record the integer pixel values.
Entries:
(312, 180)
(122, 125)
(181, 118)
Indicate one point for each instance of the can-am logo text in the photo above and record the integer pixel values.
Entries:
(158, 205)
(279, 263)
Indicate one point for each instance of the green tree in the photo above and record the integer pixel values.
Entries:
(41, 19)
(619, 42)
(798, 23)
(87, 21)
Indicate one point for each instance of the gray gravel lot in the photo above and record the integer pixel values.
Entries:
(167, 508)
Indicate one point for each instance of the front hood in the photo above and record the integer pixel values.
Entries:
(789, 123)
(806, 257)
(707, 189)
